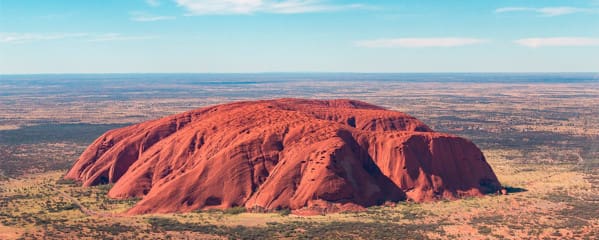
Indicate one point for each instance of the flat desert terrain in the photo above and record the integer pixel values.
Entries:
(540, 133)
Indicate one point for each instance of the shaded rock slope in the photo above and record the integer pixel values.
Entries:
(331, 155)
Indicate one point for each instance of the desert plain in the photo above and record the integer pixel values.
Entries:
(540, 137)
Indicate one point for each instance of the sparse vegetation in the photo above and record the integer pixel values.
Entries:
(539, 138)
(285, 212)
(235, 210)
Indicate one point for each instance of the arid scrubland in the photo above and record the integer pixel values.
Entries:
(542, 140)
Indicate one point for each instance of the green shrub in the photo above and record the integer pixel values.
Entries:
(285, 211)
(234, 210)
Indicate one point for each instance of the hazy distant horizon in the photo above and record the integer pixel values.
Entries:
(295, 72)
(386, 36)
(281, 77)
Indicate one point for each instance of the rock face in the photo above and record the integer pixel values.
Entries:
(285, 153)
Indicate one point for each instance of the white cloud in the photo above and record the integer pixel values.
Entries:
(208, 7)
(18, 38)
(558, 42)
(32, 37)
(153, 3)
(117, 37)
(144, 17)
(513, 9)
(547, 11)
(557, 11)
(419, 42)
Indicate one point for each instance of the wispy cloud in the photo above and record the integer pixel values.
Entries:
(419, 42)
(548, 11)
(145, 17)
(223, 7)
(117, 37)
(153, 3)
(558, 42)
(19, 38)
(32, 37)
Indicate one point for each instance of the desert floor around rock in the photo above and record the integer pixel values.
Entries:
(539, 138)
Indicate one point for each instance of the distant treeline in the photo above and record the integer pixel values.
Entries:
(48, 133)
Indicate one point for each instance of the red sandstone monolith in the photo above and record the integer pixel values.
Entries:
(331, 155)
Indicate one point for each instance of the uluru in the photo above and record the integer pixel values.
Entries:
(296, 154)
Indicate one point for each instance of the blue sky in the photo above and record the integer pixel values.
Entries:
(114, 36)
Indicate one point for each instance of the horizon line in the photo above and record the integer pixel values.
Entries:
(302, 72)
